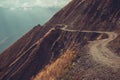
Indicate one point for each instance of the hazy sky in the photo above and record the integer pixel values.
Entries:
(32, 3)
(18, 16)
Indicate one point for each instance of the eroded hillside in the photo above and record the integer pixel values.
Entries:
(80, 42)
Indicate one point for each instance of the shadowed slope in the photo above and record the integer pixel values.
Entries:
(93, 25)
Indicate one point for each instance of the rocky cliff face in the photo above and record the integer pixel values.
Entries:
(80, 42)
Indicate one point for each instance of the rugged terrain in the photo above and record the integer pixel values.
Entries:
(80, 42)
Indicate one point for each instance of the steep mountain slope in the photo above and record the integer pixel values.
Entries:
(80, 42)
(16, 22)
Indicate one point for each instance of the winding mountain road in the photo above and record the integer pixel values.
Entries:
(98, 48)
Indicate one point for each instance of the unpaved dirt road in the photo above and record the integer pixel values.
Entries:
(98, 48)
(102, 54)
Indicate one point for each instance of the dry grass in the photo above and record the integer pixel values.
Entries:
(57, 69)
